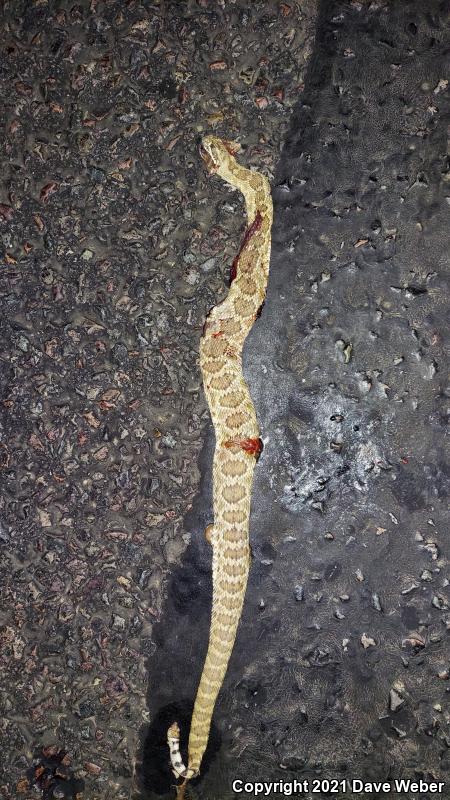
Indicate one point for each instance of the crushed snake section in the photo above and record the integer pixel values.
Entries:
(238, 443)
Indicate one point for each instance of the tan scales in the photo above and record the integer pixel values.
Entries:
(237, 440)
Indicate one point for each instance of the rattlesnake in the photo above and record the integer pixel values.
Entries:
(237, 439)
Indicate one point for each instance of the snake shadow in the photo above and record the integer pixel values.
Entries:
(181, 639)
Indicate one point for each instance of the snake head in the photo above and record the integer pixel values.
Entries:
(216, 152)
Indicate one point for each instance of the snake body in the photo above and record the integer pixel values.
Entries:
(238, 442)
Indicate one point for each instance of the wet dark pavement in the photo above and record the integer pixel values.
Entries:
(115, 244)
(341, 665)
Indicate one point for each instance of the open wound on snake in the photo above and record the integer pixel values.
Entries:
(251, 446)
(251, 230)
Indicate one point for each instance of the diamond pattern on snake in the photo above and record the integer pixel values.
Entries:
(237, 445)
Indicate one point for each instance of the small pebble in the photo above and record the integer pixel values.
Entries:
(299, 593)
(395, 700)
(376, 603)
(410, 588)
